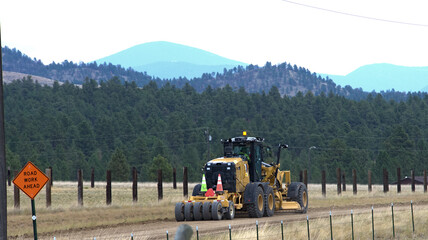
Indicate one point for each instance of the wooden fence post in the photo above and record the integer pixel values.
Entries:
(92, 178)
(413, 180)
(305, 178)
(108, 188)
(339, 176)
(385, 181)
(174, 178)
(343, 182)
(8, 177)
(354, 181)
(185, 185)
(48, 189)
(398, 180)
(134, 185)
(160, 192)
(80, 187)
(16, 197)
(369, 180)
(425, 181)
(51, 178)
(323, 182)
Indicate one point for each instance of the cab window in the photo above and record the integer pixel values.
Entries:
(258, 162)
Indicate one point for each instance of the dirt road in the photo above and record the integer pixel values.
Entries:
(157, 229)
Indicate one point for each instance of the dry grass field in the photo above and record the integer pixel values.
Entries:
(341, 227)
(8, 77)
(65, 214)
(65, 218)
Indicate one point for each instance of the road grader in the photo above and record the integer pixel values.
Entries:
(242, 181)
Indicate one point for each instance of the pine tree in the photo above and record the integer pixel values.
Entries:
(162, 163)
(119, 167)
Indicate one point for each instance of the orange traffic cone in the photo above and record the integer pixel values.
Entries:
(219, 187)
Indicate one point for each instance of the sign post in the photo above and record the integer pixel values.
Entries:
(31, 180)
(33, 212)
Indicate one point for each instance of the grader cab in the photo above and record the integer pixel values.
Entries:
(242, 181)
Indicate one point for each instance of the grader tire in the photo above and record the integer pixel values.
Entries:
(188, 211)
(269, 203)
(230, 214)
(179, 212)
(197, 211)
(299, 193)
(257, 207)
(303, 198)
(206, 211)
(216, 211)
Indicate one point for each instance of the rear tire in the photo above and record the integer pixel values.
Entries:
(230, 214)
(269, 203)
(188, 211)
(257, 207)
(216, 211)
(179, 212)
(197, 211)
(206, 210)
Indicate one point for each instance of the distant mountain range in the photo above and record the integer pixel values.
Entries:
(382, 77)
(170, 60)
(288, 79)
(284, 78)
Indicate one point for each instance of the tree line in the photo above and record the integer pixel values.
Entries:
(118, 126)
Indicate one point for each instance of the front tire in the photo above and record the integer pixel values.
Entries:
(303, 198)
(298, 192)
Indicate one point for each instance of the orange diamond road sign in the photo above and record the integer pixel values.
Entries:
(30, 180)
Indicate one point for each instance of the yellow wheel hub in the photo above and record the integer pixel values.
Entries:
(260, 202)
(304, 199)
(270, 201)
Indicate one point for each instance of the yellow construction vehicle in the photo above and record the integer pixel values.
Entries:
(242, 181)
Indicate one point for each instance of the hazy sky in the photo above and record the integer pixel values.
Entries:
(251, 31)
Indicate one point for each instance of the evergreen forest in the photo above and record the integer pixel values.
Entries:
(117, 125)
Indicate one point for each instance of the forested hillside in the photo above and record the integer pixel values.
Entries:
(15, 61)
(68, 128)
(289, 79)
